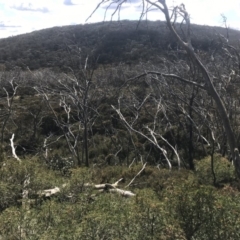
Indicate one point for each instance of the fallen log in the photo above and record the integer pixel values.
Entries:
(111, 188)
(105, 187)
(122, 192)
(48, 192)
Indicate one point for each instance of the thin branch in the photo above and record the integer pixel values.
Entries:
(153, 141)
(170, 145)
(14, 149)
(137, 174)
(97, 7)
(168, 76)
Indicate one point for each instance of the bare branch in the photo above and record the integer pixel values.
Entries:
(13, 148)
(168, 76)
(153, 140)
(137, 175)
(97, 7)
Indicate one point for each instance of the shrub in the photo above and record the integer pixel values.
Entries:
(223, 169)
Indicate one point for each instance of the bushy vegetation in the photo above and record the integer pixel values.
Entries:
(111, 42)
(97, 108)
(168, 205)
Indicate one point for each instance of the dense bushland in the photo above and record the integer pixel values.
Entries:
(92, 119)
(169, 204)
(112, 42)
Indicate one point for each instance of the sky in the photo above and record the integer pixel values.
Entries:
(23, 16)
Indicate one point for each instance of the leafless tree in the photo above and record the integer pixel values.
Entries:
(9, 87)
(206, 81)
(171, 115)
(73, 91)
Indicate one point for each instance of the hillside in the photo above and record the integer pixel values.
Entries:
(109, 42)
(115, 53)
(113, 131)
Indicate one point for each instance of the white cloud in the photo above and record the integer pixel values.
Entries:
(204, 12)
(30, 8)
(32, 15)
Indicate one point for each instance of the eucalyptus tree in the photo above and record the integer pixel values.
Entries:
(9, 84)
(205, 78)
(75, 93)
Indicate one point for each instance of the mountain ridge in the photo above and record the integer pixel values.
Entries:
(109, 42)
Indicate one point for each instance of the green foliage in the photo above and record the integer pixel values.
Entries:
(202, 212)
(223, 169)
(176, 204)
(61, 164)
(112, 42)
(179, 208)
(1, 154)
(194, 211)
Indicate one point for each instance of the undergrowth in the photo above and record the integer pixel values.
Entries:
(177, 204)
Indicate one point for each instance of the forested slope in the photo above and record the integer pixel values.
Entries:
(83, 108)
(109, 42)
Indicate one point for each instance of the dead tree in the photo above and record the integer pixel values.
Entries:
(9, 108)
(73, 92)
(184, 41)
(152, 107)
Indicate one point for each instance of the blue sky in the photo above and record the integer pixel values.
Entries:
(22, 16)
